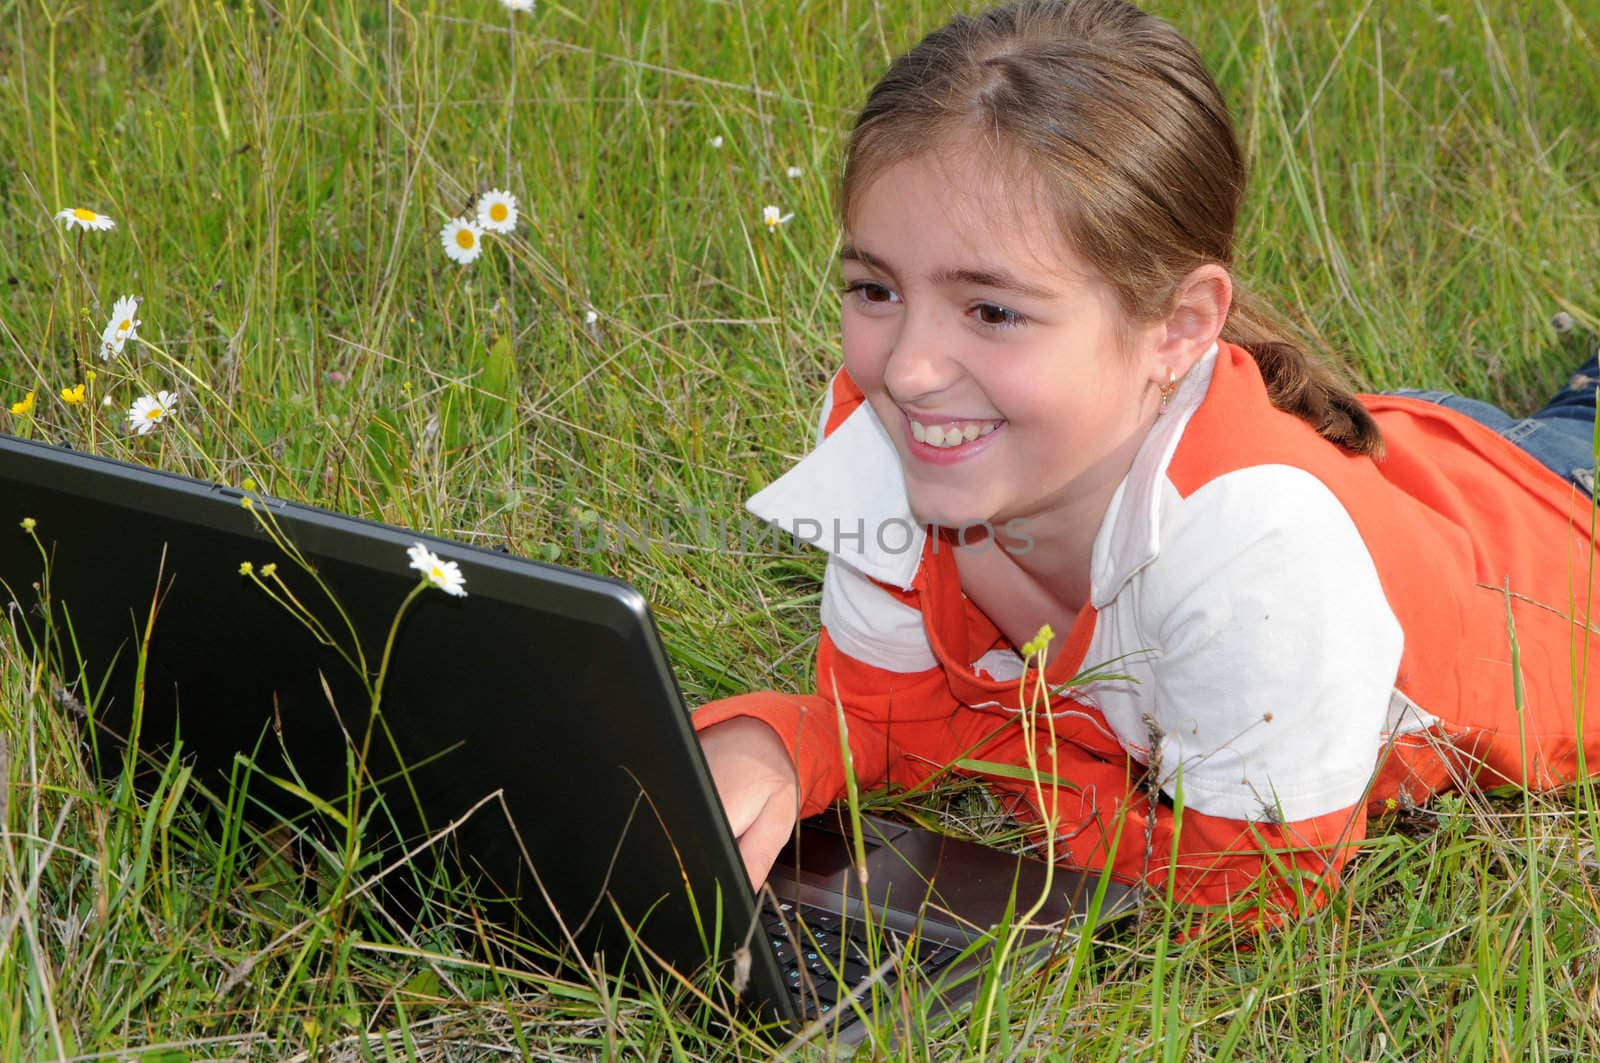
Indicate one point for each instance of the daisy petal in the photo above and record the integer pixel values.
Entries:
(462, 240)
(772, 217)
(121, 328)
(446, 575)
(497, 211)
(85, 219)
(148, 411)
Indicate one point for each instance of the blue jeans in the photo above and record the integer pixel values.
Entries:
(1560, 436)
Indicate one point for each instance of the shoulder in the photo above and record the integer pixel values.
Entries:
(1277, 646)
(1225, 470)
(1268, 525)
(1236, 427)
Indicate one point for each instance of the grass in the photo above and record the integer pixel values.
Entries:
(1426, 196)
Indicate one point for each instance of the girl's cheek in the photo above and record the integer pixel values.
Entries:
(864, 349)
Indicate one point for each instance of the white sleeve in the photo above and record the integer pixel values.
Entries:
(1278, 649)
(870, 624)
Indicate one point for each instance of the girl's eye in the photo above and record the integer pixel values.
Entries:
(996, 316)
(869, 292)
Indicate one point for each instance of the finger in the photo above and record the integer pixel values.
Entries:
(743, 805)
(760, 845)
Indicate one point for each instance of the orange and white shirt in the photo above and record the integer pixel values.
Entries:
(1281, 637)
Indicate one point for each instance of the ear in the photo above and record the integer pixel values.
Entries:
(1199, 309)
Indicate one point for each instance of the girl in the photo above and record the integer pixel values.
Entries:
(1287, 606)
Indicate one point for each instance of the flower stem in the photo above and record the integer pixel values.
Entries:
(359, 782)
(50, 76)
(81, 309)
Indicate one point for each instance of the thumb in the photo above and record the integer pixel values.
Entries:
(764, 839)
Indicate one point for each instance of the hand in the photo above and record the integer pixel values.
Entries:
(758, 787)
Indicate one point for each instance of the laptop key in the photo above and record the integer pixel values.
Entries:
(852, 973)
(821, 919)
(825, 955)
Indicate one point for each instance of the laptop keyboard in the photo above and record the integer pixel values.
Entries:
(825, 955)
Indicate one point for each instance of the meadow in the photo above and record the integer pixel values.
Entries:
(644, 348)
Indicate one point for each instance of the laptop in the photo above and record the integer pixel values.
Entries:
(533, 726)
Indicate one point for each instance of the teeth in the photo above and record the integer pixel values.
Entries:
(951, 435)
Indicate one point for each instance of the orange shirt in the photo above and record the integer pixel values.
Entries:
(1282, 638)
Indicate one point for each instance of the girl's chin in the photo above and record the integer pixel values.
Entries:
(970, 518)
(950, 516)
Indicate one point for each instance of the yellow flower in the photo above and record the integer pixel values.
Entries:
(23, 408)
(246, 568)
(1037, 644)
(28, 524)
(73, 395)
(269, 570)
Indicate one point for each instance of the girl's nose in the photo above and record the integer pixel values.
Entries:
(921, 363)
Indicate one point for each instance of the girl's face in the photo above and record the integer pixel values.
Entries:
(991, 356)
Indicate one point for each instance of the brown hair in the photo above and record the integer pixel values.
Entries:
(1113, 112)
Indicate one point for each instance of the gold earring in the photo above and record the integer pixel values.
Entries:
(1167, 389)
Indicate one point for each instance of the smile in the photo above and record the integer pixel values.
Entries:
(952, 433)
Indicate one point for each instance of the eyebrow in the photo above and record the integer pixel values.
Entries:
(985, 278)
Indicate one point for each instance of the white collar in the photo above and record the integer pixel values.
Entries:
(848, 498)
(1130, 533)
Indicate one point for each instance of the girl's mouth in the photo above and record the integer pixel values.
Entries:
(949, 441)
(952, 433)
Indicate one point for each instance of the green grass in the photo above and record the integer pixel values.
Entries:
(1425, 197)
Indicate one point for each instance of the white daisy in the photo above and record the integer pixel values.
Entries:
(462, 240)
(772, 218)
(518, 5)
(149, 410)
(794, 171)
(82, 218)
(497, 211)
(446, 575)
(121, 328)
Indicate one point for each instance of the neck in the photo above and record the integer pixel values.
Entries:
(1064, 529)
(1058, 557)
